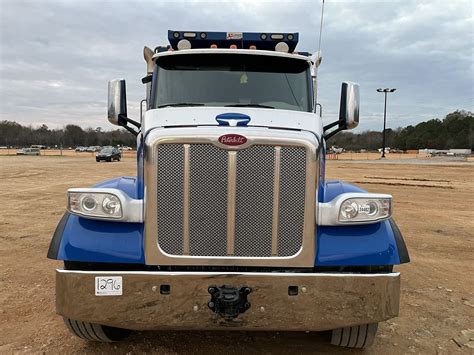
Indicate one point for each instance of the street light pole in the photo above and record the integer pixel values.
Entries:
(385, 91)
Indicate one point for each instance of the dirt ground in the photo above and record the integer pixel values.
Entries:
(433, 207)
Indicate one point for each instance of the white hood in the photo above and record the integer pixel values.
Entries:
(206, 116)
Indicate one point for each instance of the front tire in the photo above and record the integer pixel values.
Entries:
(358, 336)
(95, 332)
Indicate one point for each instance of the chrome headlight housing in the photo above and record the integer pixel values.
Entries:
(355, 208)
(104, 204)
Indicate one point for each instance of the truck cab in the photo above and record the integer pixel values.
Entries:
(229, 223)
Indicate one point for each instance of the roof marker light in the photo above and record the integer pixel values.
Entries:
(277, 36)
(282, 47)
(213, 45)
(184, 44)
(233, 46)
(253, 46)
(176, 34)
(189, 34)
(290, 37)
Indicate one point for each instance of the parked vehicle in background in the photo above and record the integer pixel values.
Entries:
(28, 151)
(81, 149)
(125, 148)
(108, 154)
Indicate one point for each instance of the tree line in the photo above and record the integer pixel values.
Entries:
(13, 134)
(456, 130)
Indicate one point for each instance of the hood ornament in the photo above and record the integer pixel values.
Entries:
(233, 119)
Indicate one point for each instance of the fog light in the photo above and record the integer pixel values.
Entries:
(349, 209)
(184, 44)
(89, 203)
(111, 205)
(282, 47)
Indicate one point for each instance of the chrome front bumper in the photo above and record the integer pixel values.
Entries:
(324, 301)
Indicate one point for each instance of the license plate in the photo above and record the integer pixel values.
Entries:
(108, 286)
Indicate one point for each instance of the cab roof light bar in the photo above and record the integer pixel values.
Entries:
(241, 40)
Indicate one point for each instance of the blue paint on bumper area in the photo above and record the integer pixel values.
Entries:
(371, 244)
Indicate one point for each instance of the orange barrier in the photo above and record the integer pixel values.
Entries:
(332, 156)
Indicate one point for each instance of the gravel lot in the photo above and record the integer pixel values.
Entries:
(433, 207)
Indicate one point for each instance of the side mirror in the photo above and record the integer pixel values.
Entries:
(349, 109)
(117, 105)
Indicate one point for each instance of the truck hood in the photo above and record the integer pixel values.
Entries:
(206, 116)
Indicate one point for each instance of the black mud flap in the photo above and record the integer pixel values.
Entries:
(401, 246)
(57, 236)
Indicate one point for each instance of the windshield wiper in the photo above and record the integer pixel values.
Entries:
(178, 104)
(249, 105)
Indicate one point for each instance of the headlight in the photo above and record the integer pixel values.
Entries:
(355, 208)
(97, 204)
(105, 204)
(363, 210)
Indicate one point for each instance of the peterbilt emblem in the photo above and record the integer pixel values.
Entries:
(232, 139)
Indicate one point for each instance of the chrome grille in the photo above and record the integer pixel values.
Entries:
(246, 203)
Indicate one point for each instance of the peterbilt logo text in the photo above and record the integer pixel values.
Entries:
(232, 139)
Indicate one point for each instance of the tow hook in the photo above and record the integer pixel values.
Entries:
(228, 301)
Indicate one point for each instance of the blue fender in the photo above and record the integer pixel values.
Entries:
(87, 240)
(358, 245)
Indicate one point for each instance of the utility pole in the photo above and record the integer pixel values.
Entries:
(385, 91)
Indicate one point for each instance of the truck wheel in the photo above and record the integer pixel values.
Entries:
(95, 332)
(358, 336)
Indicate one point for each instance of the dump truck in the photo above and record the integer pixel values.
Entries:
(229, 222)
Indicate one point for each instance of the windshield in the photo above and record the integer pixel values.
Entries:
(232, 80)
(107, 150)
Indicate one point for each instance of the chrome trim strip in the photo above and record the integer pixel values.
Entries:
(214, 273)
(186, 200)
(276, 200)
(231, 200)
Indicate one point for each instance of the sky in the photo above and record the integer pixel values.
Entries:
(56, 57)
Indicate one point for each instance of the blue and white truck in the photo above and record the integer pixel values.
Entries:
(230, 223)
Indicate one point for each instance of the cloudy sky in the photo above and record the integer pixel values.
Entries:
(57, 56)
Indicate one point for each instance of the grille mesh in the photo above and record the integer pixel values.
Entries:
(208, 175)
(292, 193)
(170, 179)
(208, 202)
(253, 217)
